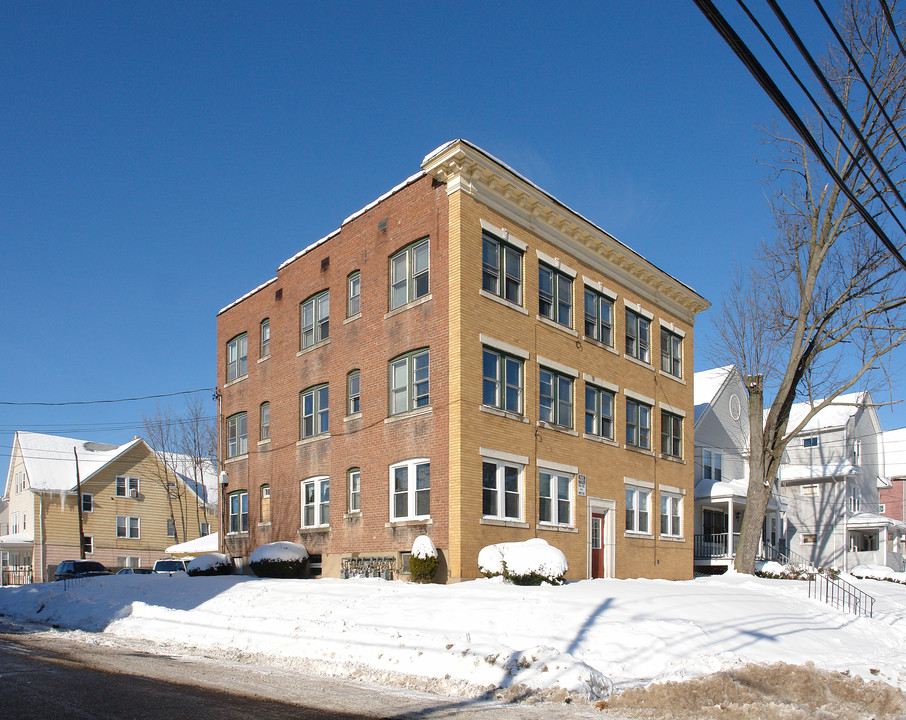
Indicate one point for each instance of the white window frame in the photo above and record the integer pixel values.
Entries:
(204, 528)
(671, 514)
(501, 382)
(240, 513)
(712, 464)
(237, 435)
(265, 338)
(354, 483)
(354, 394)
(319, 414)
(411, 491)
(171, 527)
(88, 543)
(636, 497)
(407, 274)
(237, 357)
(501, 490)
(264, 421)
(314, 319)
(551, 406)
(129, 527)
(556, 480)
(415, 391)
(594, 416)
(317, 506)
(354, 294)
(88, 507)
(264, 494)
(127, 485)
(811, 441)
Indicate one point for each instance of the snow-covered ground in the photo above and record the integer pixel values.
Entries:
(585, 637)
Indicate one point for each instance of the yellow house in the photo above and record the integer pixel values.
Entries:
(133, 505)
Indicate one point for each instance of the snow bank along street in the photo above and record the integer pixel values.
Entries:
(585, 637)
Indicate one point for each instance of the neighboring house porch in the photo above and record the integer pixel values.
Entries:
(720, 506)
(16, 559)
(875, 540)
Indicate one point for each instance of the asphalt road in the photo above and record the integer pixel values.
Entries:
(58, 675)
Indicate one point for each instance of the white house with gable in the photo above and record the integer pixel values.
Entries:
(722, 472)
(831, 475)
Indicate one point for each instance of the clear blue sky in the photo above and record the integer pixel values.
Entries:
(159, 160)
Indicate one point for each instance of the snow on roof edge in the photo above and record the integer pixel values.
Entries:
(522, 177)
(246, 296)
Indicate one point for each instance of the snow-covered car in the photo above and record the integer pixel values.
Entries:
(170, 566)
(134, 571)
(69, 569)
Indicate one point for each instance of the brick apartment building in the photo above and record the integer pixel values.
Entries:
(470, 359)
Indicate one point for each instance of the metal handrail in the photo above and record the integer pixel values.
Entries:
(840, 594)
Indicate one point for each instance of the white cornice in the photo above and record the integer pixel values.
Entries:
(466, 168)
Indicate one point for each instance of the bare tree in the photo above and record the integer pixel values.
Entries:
(161, 434)
(822, 309)
(198, 443)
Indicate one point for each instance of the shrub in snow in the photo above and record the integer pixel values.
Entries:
(530, 562)
(211, 564)
(279, 560)
(424, 562)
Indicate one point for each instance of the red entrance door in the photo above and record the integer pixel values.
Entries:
(597, 545)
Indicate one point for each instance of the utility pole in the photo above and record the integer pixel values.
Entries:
(78, 483)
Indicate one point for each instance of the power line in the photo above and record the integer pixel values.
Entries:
(99, 402)
(757, 71)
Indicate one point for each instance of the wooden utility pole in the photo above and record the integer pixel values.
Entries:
(78, 484)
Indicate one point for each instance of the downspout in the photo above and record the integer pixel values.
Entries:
(845, 523)
(40, 535)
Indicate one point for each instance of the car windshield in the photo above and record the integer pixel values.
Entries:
(87, 565)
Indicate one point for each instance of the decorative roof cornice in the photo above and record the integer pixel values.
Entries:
(464, 167)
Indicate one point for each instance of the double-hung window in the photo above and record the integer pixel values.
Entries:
(638, 336)
(237, 435)
(237, 357)
(264, 432)
(171, 528)
(354, 294)
(128, 526)
(598, 317)
(410, 490)
(671, 353)
(265, 349)
(239, 512)
(711, 464)
(354, 476)
(554, 498)
(671, 515)
(313, 411)
(409, 382)
(671, 434)
(353, 392)
(556, 398)
(502, 376)
(126, 486)
(87, 502)
(555, 295)
(638, 502)
(316, 501)
(598, 412)
(315, 319)
(409, 270)
(501, 268)
(501, 490)
(638, 424)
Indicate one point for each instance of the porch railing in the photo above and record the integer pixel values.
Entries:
(840, 594)
(715, 545)
(16, 575)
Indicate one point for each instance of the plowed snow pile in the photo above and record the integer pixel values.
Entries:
(762, 692)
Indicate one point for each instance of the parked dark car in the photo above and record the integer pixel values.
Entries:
(79, 568)
(134, 571)
(168, 567)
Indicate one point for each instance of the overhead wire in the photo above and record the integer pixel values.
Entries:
(757, 71)
(892, 25)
